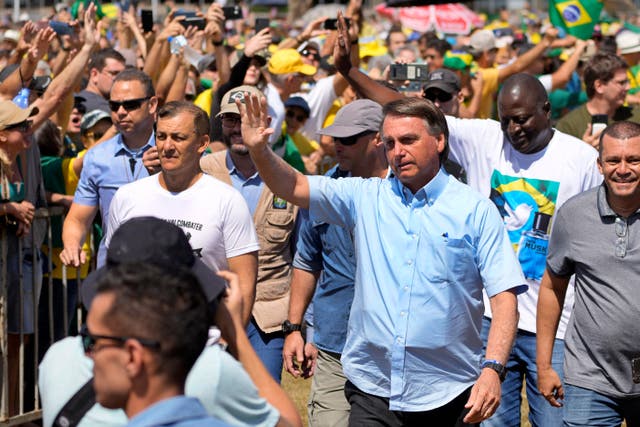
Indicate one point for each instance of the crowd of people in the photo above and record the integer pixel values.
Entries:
(423, 224)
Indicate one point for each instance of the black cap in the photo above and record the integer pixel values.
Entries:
(153, 240)
(443, 79)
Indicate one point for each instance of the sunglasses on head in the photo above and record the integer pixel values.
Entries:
(128, 105)
(352, 140)
(433, 95)
(89, 340)
(22, 126)
(307, 52)
(299, 117)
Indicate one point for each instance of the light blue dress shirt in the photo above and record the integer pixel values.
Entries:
(179, 411)
(106, 167)
(249, 187)
(422, 262)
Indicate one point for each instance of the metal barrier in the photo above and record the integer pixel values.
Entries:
(19, 412)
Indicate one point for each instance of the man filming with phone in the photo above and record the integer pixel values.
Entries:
(607, 84)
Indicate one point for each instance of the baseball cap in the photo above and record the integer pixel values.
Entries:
(444, 80)
(11, 114)
(153, 240)
(298, 101)
(12, 35)
(228, 103)
(285, 61)
(628, 42)
(90, 119)
(356, 117)
(481, 41)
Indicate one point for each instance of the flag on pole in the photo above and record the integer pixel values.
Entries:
(577, 17)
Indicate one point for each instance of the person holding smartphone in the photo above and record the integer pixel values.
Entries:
(606, 82)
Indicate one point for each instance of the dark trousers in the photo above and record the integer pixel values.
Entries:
(369, 410)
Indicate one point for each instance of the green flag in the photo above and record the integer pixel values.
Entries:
(577, 17)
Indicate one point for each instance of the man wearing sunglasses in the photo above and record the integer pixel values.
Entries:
(324, 269)
(222, 385)
(275, 221)
(113, 163)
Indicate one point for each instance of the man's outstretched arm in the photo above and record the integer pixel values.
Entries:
(282, 179)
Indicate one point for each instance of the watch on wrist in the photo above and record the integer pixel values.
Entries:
(496, 366)
(288, 327)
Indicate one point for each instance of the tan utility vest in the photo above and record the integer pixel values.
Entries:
(274, 220)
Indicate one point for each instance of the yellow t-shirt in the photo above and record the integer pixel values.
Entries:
(489, 90)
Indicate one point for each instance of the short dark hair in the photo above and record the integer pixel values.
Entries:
(602, 66)
(393, 29)
(441, 46)
(620, 130)
(98, 59)
(49, 139)
(133, 74)
(200, 117)
(159, 303)
(435, 122)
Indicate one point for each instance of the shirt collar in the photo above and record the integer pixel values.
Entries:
(121, 148)
(429, 193)
(603, 205)
(234, 171)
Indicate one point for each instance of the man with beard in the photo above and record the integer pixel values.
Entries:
(521, 164)
(275, 221)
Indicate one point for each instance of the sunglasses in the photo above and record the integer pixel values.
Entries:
(307, 52)
(433, 95)
(21, 127)
(299, 117)
(352, 140)
(89, 340)
(128, 105)
(230, 121)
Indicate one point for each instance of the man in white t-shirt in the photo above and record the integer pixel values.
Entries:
(213, 215)
(528, 170)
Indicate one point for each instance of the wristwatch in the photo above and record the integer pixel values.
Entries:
(288, 327)
(496, 366)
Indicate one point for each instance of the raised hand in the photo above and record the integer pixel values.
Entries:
(254, 121)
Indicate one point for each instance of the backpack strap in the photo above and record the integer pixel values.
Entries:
(76, 407)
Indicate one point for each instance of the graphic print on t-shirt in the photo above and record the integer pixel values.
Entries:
(526, 206)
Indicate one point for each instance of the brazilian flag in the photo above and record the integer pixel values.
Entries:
(577, 17)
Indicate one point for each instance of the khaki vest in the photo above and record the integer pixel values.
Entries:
(274, 219)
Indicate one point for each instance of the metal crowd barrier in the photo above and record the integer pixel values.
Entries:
(26, 403)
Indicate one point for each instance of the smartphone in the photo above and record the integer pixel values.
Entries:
(61, 28)
(146, 16)
(332, 23)
(598, 123)
(418, 72)
(261, 24)
(196, 21)
(232, 13)
(186, 13)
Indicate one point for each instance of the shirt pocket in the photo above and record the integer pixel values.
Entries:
(277, 229)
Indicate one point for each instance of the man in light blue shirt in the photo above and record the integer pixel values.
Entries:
(426, 246)
(113, 163)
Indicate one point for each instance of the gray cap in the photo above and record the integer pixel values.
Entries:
(481, 41)
(90, 119)
(356, 117)
(444, 80)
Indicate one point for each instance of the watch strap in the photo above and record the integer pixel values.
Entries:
(496, 366)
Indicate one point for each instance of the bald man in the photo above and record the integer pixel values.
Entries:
(528, 169)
